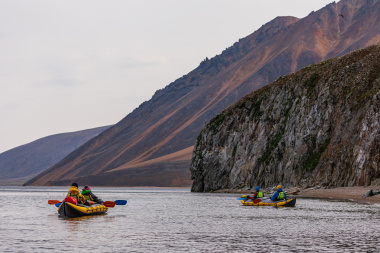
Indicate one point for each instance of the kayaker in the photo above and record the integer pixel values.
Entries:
(279, 194)
(74, 192)
(87, 193)
(258, 194)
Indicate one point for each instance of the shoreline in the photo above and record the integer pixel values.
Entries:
(352, 194)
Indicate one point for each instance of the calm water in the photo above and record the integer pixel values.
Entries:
(175, 220)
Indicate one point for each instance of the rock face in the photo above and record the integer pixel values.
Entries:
(169, 123)
(318, 126)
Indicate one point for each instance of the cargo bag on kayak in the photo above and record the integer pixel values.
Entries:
(71, 200)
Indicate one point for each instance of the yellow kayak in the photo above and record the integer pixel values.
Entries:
(267, 202)
(70, 210)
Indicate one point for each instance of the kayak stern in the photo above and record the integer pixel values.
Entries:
(70, 210)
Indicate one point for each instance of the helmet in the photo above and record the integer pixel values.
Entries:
(257, 188)
(279, 187)
(75, 184)
(86, 187)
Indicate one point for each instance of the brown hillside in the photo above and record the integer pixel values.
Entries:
(25, 162)
(172, 119)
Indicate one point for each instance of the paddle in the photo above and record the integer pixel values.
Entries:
(57, 203)
(116, 202)
(254, 201)
(53, 202)
(109, 203)
(294, 193)
(120, 202)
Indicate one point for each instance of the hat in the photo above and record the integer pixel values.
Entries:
(257, 188)
(75, 184)
(279, 187)
(86, 187)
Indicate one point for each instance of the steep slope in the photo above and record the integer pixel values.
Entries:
(172, 119)
(318, 126)
(24, 162)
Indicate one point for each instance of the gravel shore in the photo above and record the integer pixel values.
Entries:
(354, 194)
(343, 193)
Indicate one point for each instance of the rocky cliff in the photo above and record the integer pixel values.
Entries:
(318, 126)
(163, 130)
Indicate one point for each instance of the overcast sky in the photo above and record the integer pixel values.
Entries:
(70, 65)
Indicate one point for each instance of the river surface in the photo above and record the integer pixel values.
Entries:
(176, 220)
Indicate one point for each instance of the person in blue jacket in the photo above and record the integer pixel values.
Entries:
(279, 194)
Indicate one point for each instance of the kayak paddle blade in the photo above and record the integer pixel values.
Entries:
(120, 202)
(53, 202)
(109, 203)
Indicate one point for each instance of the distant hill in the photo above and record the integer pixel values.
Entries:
(163, 130)
(24, 162)
(317, 127)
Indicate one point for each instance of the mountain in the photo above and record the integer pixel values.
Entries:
(155, 141)
(25, 162)
(317, 127)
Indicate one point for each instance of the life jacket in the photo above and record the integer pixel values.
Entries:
(259, 194)
(75, 193)
(88, 196)
(281, 195)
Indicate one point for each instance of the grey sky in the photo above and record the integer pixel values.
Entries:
(70, 65)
